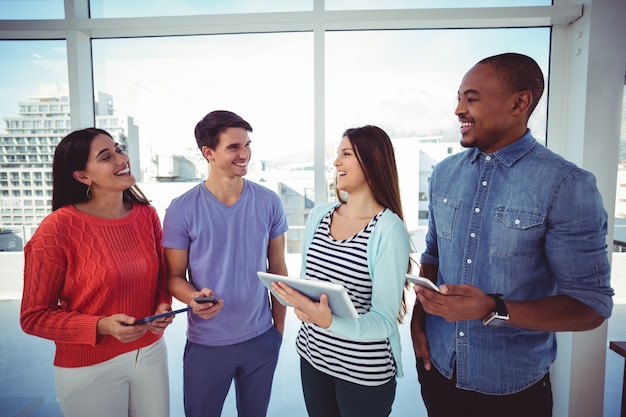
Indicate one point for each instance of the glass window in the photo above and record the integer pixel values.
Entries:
(31, 9)
(427, 4)
(619, 227)
(166, 85)
(407, 84)
(620, 200)
(144, 8)
(29, 69)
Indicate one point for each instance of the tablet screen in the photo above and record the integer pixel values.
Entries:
(338, 298)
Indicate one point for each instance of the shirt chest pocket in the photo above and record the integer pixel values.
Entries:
(517, 234)
(445, 211)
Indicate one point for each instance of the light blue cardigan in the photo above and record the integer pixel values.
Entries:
(388, 258)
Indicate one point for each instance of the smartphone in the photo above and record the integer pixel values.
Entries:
(204, 300)
(158, 316)
(423, 282)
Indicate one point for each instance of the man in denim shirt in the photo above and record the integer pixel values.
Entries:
(516, 243)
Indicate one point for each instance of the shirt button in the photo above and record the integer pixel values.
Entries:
(445, 200)
(472, 234)
(517, 221)
(488, 158)
(461, 334)
(484, 183)
(469, 261)
(477, 210)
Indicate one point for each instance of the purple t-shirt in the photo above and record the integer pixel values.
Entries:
(227, 245)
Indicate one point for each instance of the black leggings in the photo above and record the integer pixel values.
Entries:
(327, 396)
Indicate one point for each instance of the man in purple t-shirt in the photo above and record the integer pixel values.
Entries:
(217, 236)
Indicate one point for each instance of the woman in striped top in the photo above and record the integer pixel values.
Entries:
(349, 366)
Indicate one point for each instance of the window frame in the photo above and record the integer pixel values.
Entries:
(587, 53)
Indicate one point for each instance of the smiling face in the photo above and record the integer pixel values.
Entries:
(232, 153)
(107, 167)
(350, 176)
(491, 117)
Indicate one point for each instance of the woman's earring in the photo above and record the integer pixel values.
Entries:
(89, 192)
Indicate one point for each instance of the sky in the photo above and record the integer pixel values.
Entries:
(403, 81)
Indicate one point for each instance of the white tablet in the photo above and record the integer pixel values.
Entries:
(338, 299)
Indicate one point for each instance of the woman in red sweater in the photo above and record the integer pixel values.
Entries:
(93, 267)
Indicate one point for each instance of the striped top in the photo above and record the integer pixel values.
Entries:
(364, 362)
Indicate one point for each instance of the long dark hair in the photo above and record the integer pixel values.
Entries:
(71, 154)
(374, 152)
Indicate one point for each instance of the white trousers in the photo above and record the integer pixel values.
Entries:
(134, 384)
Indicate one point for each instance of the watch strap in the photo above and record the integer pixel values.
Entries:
(500, 306)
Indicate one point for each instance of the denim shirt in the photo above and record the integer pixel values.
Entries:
(522, 222)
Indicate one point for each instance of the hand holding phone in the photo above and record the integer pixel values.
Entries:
(422, 282)
(204, 300)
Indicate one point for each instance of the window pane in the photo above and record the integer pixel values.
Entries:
(619, 228)
(427, 4)
(31, 9)
(620, 198)
(168, 84)
(407, 84)
(144, 8)
(34, 75)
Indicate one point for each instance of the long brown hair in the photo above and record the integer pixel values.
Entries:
(375, 154)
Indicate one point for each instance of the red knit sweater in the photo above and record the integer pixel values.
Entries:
(79, 268)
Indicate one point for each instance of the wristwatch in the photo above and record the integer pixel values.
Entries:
(500, 316)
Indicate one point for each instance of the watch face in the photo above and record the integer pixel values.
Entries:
(495, 320)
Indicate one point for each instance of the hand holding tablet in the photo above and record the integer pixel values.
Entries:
(338, 298)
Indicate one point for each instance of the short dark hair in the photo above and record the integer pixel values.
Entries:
(209, 128)
(71, 154)
(518, 72)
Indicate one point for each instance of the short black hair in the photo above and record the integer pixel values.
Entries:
(518, 72)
